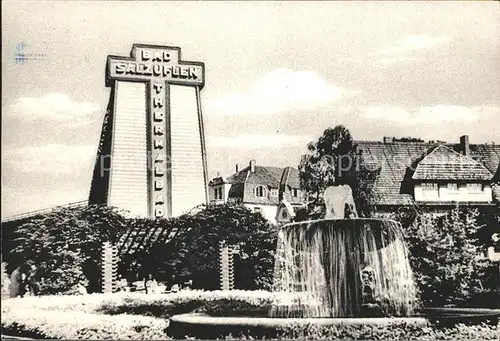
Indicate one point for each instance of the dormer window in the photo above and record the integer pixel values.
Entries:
(430, 189)
(295, 192)
(260, 191)
(218, 193)
(475, 188)
(453, 188)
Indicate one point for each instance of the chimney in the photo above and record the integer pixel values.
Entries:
(464, 145)
(237, 167)
(252, 166)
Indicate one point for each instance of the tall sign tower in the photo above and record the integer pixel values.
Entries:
(151, 159)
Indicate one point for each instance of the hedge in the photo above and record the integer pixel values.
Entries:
(215, 303)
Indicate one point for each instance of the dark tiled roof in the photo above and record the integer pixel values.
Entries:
(444, 163)
(239, 177)
(265, 175)
(396, 162)
(269, 176)
(293, 178)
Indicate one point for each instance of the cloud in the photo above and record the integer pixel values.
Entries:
(258, 141)
(280, 91)
(429, 115)
(404, 49)
(55, 107)
(50, 158)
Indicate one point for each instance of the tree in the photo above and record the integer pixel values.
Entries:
(66, 243)
(334, 160)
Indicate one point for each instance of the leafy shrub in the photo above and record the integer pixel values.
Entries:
(215, 303)
(444, 253)
(66, 244)
(195, 254)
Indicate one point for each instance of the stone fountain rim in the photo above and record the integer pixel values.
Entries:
(204, 326)
(297, 223)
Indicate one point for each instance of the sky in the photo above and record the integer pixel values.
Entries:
(277, 75)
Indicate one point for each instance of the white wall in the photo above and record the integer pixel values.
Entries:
(188, 180)
(128, 178)
(463, 194)
(267, 211)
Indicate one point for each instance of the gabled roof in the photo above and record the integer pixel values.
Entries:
(265, 175)
(272, 177)
(285, 205)
(269, 176)
(395, 161)
(444, 163)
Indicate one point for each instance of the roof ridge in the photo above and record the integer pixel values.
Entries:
(455, 152)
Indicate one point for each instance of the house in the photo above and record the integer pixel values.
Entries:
(432, 174)
(272, 191)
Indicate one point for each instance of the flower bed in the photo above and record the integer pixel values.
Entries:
(139, 316)
(76, 317)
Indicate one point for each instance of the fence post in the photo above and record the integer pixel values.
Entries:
(224, 266)
(227, 253)
(109, 267)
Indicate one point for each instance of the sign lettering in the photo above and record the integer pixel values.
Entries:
(157, 66)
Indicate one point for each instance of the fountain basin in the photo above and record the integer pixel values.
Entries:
(213, 327)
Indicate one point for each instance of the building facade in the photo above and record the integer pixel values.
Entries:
(436, 175)
(431, 174)
(272, 191)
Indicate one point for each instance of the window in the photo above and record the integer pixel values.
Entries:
(430, 189)
(475, 188)
(274, 192)
(295, 192)
(284, 215)
(260, 191)
(218, 193)
(453, 188)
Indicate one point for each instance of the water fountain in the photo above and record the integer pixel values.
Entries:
(345, 270)
(349, 267)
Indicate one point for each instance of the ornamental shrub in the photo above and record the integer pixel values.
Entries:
(66, 243)
(445, 254)
(195, 254)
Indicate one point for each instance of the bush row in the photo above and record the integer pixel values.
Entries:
(215, 303)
